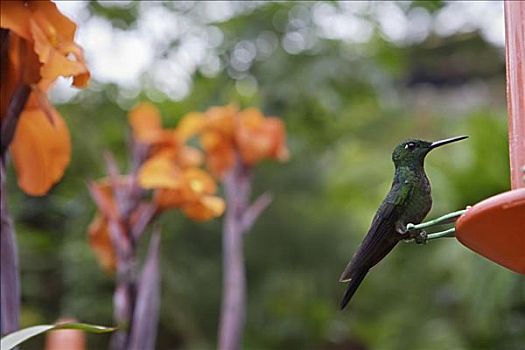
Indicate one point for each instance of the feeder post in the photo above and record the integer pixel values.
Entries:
(515, 57)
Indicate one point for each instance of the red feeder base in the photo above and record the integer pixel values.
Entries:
(495, 228)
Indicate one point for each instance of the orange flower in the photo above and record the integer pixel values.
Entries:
(100, 242)
(217, 138)
(146, 124)
(40, 151)
(98, 231)
(190, 189)
(102, 193)
(171, 170)
(258, 137)
(52, 37)
(21, 67)
(159, 172)
(222, 120)
(225, 132)
(41, 48)
(189, 125)
(220, 152)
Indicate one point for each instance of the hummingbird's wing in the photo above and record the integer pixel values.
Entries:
(381, 238)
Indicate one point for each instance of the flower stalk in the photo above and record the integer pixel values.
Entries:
(10, 278)
(10, 274)
(135, 308)
(239, 218)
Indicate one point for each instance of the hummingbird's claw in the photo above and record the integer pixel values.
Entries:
(421, 237)
(401, 229)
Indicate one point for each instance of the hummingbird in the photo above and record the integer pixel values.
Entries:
(408, 201)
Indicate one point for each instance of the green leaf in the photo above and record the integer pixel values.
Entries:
(13, 339)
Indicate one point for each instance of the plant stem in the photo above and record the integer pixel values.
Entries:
(237, 190)
(135, 297)
(9, 276)
(125, 292)
(124, 296)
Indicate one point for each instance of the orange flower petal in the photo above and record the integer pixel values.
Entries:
(146, 122)
(81, 80)
(195, 184)
(189, 157)
(15, 16)
(275, 127)
(167, 199)
(38, 99)
(21, 64)
(251, 118)
(190, 125)
(199, 181)
(159, 172)
(220, 160)
(11, 72)
(100, 242)
(222, 120)
(208, 207)
(40, 151)
(57, 26)
(220, 152)
(211, 140)
(102, 194)
(55, 63)
(51, 35)
(259, 138)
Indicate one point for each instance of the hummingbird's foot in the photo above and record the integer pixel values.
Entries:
(421, 237)
(401, 228)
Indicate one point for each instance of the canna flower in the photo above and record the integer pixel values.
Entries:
(258, 138)
(225, 133)
(40, 48)
(101, 244)
(50, 35)
(172, 167)
(146, 125)
(40, 150)
(217, 138)
(98, 231)
(191, 189)
(109, 217)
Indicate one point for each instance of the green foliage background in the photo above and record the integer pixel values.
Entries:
(346, 105)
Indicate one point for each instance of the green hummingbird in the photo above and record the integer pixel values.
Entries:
(408, 201)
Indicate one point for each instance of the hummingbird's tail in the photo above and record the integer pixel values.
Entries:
(354, 283)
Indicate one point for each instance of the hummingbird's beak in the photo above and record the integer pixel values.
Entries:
(446, 141)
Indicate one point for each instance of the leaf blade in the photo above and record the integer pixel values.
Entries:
(14, 339)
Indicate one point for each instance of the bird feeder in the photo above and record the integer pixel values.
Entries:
(495, 227)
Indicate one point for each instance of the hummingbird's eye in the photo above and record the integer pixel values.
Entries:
(410, 145)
